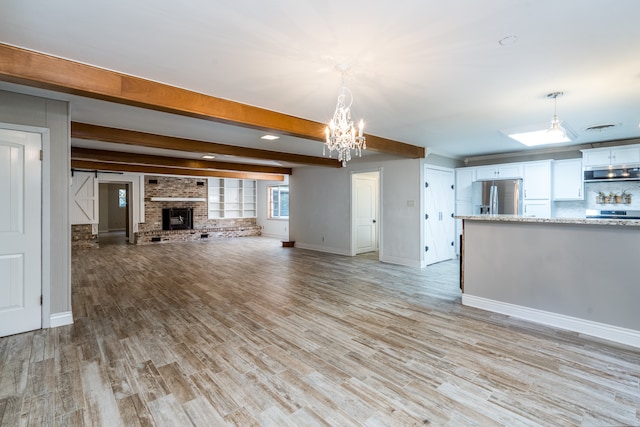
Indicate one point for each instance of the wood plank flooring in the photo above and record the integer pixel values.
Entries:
(244, 332)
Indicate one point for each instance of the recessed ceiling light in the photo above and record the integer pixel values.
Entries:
(269, 137)
(509, 40)
(208, 156)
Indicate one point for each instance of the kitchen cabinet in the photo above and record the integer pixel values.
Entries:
(504, 171)
(567, 180)
(537, 208)
(537, 180)
(464, 181)
(611, 156)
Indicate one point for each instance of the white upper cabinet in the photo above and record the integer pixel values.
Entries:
(504, 171)
(537, 180)
(567, 180)
(611, 156)
(464, 181)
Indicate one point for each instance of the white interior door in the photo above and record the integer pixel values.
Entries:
(439, 222)
(366, 211)
(20, 231)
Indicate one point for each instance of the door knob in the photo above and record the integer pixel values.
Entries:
(374, 221)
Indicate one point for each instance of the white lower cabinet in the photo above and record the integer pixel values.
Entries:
(537, 208)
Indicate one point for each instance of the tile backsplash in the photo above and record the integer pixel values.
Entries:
(591, 190)
(576, 209)
(570, 209)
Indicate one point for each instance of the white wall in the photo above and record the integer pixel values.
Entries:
(277, 228)
(320, 209)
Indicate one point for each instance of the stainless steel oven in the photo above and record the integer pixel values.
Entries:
(615, 214)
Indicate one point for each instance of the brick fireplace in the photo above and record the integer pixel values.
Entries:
(185, 194)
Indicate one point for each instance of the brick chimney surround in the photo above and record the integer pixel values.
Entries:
(164, 187)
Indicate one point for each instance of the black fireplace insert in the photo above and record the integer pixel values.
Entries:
(177, 219)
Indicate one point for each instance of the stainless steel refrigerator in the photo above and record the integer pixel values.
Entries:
(497, 197)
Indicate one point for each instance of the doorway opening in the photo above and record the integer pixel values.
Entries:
(365, 213)
(114, 213)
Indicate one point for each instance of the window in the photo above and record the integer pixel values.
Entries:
(122, 197)
(279, 201)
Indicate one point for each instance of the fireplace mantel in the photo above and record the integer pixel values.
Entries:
(178, 199)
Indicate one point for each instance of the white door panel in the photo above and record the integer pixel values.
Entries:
(20, 232)
(439, 222)
(366, 210)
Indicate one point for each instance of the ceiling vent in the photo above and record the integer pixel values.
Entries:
(602, 127)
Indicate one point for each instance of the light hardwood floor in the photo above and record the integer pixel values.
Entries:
(245, 332)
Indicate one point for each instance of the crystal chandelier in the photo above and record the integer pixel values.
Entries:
(341, 134)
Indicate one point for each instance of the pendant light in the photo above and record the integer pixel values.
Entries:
(556, 131)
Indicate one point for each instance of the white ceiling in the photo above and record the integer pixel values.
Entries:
(430, 73)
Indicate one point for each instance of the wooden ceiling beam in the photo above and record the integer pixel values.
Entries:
(88, 165)
(130, 137)
(36, 69)
(150, 160)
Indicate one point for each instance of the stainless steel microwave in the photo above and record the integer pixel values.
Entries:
(618, 174)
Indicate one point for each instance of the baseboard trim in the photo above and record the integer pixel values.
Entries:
(60, 319)
(617, 334)
(275, 236)
(319, 248)
(402, 261)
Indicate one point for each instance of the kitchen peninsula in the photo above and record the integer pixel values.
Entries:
(577, 274)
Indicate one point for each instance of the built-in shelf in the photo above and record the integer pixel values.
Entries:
(232, 198)
(178, 199)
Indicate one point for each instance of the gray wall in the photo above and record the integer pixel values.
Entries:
(545, 153)
(445, 162)
(321, 202)
(585, 271)
(46, 113)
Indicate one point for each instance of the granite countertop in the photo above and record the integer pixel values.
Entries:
(516, 218)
